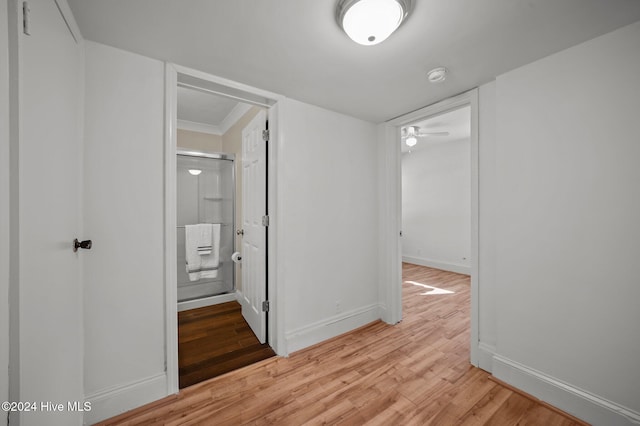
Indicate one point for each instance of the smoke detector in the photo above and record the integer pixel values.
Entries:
(437, 75)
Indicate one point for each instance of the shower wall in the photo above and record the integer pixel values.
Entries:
(205, 198)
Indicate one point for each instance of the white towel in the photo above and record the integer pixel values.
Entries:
(199, 264)
(202, 236)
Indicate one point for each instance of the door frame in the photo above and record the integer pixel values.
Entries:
(273, 103)
(391, 195)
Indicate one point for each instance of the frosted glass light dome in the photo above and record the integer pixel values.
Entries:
(370, 22)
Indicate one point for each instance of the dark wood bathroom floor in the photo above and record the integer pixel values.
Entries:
(215, 340)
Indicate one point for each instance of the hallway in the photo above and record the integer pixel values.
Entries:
(414, 373)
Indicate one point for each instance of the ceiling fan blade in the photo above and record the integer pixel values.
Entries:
(422, 134)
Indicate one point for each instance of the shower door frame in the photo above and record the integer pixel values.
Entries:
(222, 297)
(275, 289)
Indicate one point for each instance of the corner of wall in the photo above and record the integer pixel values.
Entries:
(389, 275)
(568, 398)
(485, 356)
(487, 322)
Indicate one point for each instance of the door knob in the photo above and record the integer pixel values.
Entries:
(240, 232)
(86, 244)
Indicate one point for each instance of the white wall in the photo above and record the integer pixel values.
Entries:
(328, 165)
(566, 227)
(558, 197)
(4, 204)
(436, 206)
(124, 204)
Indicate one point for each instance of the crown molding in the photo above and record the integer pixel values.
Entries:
(234, 115)
(199, 127)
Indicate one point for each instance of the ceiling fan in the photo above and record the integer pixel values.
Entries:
(411, 134)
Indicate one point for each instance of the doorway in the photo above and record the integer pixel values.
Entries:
(392, 219)
(222, 291)
(436, 191)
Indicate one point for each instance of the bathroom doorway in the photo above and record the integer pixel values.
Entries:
(220, 211)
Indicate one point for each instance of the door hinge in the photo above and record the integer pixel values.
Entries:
(265, 135)
(265, 306)
(265, 220)
(26, 19)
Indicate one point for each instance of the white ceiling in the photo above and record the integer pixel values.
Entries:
(205, 108)
(206, 112)
(457, 123)
(295, 48)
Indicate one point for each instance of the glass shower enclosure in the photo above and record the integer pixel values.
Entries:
(205, 193)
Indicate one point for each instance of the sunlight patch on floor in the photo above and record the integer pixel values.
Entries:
(432, 290)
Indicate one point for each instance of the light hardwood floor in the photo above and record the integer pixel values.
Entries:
(414, 373)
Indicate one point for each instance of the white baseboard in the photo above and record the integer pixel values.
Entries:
(119, 399)
(577, 402)
(485, 356)
(206, 301)
(330, 327)
(445, 266)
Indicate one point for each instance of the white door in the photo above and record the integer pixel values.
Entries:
(254, 207)
(50, 178)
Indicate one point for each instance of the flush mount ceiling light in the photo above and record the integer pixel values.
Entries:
(370, 22)
(411, 141)
(437, 75)
(195, 172)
